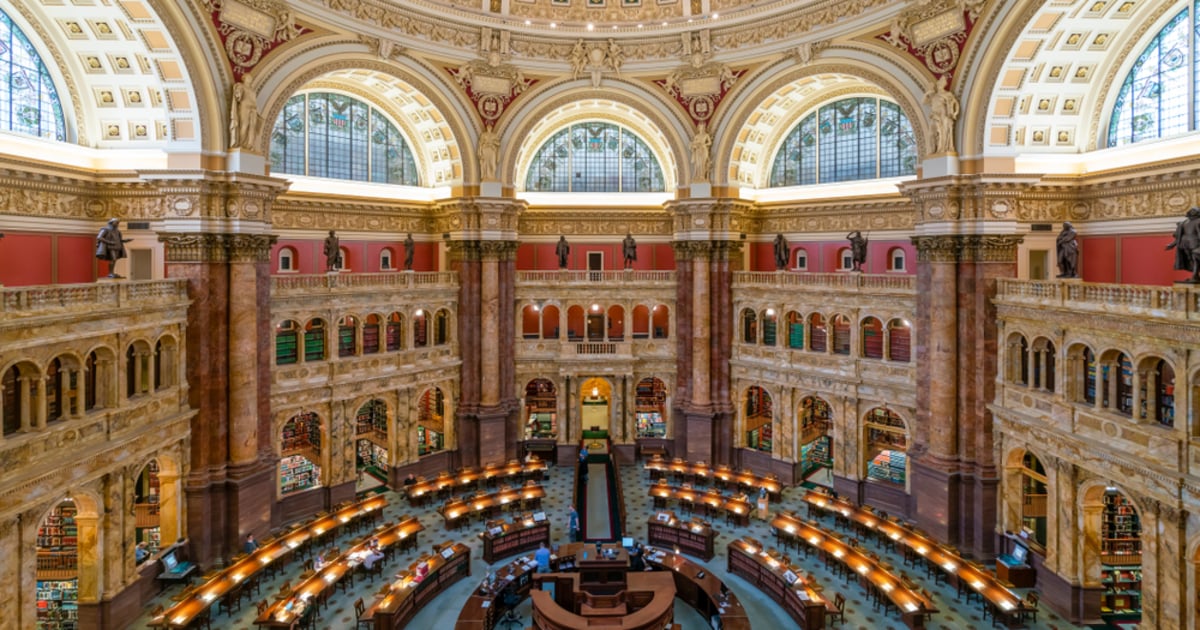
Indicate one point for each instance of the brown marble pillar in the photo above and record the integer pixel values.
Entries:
(954, 475)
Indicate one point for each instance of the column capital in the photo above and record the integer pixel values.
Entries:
(498, 250)
(479, 218)
(251, 248)
(950, 248)
(183, 247)
(720, 218)
(705, 250)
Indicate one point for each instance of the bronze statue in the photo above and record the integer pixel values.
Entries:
(782, 252)
(1187, 245)
(408, 252)
(1068, 252)
(563, 250)
(333, 253)
(110, 246)
(858, 250)
(629, 249)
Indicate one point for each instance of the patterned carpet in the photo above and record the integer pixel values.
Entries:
(764, 613)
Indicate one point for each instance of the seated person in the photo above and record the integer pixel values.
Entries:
(542, 555)
(141, 552)
(411, 479)
(637, 560)
(373, 555)
(251, 545)
(319, 563)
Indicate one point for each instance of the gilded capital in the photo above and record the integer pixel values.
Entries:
(937, 249)
(204, 248)
(498, 250)
(252, 248)
(991, 248)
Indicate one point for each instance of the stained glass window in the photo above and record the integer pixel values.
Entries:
(332, 135)
(594, 157)
(847, 140)
(30, 105)
(1153, 99)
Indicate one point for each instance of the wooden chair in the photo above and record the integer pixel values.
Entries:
(359, 610)
(836, 609)
(1030, 605)
(262, 607)
(202, 619)
(375, 570)
(230, 601)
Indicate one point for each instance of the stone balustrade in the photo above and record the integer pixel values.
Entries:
(1178, 302)
(325, 283)
(872, 283)
(33, 301)
(563, 277)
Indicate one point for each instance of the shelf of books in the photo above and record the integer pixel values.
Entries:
(314, 343)
(841, 335)
(58, 569)
(899, 344)
(768, 331)
(286, 345)
(345, 340)
(370, 338)
(651, 425)
(371, 454)
(297, 473)
(815, 454)
(394, 334)
(1120, 556)
(302, 432)
(888, 466)
(796, 335)
(760, 438)
(1122, 590)
(429, 441)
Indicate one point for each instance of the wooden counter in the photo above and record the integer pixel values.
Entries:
(287, 612)
(276, 551)
(711, 502)
(914, 607)
(966, 575)
(486, 605)
(489, 504)
(512, 472)
(424, 579)
(693, 537)
(512, 538)
(650, 596)
(706, 594)
(721, 475)
(779, 580)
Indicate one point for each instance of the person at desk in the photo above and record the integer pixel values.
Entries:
(411, 479)
(637, 561)
(373, 555)
(542, 555)
(251, 545)
(763, 503)
(319, 563)
(141, 552)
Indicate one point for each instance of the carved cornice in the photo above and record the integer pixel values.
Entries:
(251, 248)
(474, 217)
(498, 250)
(599, 223)
(952, 248)
(706, 216)
(204, 248)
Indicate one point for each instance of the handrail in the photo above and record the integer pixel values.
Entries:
(564, 276)
(308, 283)
(34, 300)
(848, 280)
(1160, 301)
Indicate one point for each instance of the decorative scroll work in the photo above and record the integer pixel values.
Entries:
(935, 33)
(250, 29)
(701, 85)
(491, 84)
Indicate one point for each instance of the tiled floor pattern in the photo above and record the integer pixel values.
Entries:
(764, 614)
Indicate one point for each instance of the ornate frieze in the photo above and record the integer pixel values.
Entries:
(477, 216)
(251, 248)
(498, 250)
(570, 223)
(195, 247)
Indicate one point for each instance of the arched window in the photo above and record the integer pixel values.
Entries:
(287, 259)
(817, 334)
(431, 431)
(314, 340)
(286, 342)
(441, 327)
(575, 317)
(887, 446)
(660, 319)
(420, 329)
(845, 259)
(899, 341)
(395, 332)
(550, 322)
(1043, 364)
(850, 139)
(759, 426)
(872, 338)
(749, 326)
(795, 330)
(347, 336)
(801, 260)
(896, 259)
(322, 134)
(616, 323)
(594, 157)
(841, 334)
(370, 341)
(1156, 389)
(531, 321)
(29, 102)
(769, 326)
(385, 259)
(343, 261)
(54, 391)
(1153, 99)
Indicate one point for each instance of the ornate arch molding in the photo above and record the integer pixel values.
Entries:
(750, 105)
(546, 113)
(206, 65)
(439, 141)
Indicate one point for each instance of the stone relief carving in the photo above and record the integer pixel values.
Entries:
(251, 29)
(596, 58)
(491, 83)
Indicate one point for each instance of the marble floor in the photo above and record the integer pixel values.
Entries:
(764, 614)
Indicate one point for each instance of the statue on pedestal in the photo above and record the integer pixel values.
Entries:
(408, 252)
(858, 250)
(629, 249)
(1187, 245)
(333, 253)
(110, 246)
(1068, 252)
(563, 249)
(782, 252)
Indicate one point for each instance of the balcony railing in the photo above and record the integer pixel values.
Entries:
(341, 282)
(877, 283)
(37, 300)
(563, 276)
(1179, 302)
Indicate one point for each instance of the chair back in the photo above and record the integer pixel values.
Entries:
(262, 607)
(840, 602)
(359, 607)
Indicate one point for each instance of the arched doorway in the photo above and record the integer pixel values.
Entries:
(1033, 499)
(58, 568)
(147, 507)
(595, 404)
(1113, 552)
(541, 410)
(431, 422)
(816, 445)
(650, 407)
(371, 445)
(300, 454)
(887, 447)
(760, 430)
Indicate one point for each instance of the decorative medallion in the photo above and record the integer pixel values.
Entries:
(935, 33)
(250, 29)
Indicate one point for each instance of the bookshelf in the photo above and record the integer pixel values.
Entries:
(298, 473)
(371, 336)
(899, 344)
(513, 538)
(314, 341)
(393, 334)
(888, 466)
(818, 335)
(761, 438)
(420, 331)
(795, 332)
(694, 537)
(841, 335)
(371, 454)
(650, 400)
(1120, 531)
(146, 504)
(58, 569)
(540, 408)
(769, 330)
(887, 441)
(815, 454)
(872, 342)
(302, 432)
(1122, 590)
(345, 333)
(286, 344)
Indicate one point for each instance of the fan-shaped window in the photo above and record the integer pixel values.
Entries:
(595, 157)
(846, 140)
(1153, 99)
(29, 103)
(332, 135)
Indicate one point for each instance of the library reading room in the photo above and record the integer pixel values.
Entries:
(600, 314)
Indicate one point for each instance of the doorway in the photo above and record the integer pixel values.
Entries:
(1037, 264)
(595, 263)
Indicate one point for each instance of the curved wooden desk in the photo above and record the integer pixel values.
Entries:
(652, 613)
(658, 466)
(702, 593)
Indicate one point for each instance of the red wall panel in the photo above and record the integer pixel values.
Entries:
(1145, 261)
(1098, 258)
(76, 258)
(25, 259)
